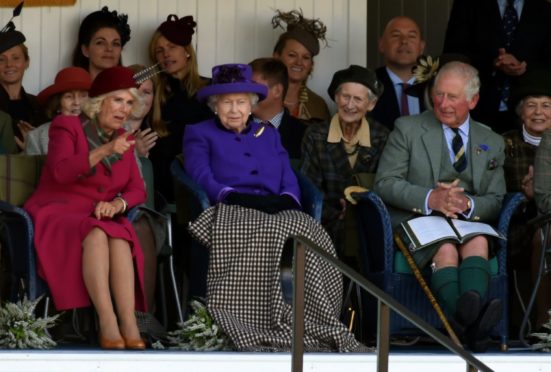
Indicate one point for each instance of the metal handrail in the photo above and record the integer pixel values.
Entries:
(385, 304)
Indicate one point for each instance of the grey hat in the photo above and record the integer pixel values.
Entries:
(355, 74)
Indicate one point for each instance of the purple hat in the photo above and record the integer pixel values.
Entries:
(232, 78)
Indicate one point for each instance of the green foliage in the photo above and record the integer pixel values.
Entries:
(21, 329)
(198, 333)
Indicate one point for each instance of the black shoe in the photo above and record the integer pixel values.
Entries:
(478, 334)
(468, 308)
(457, 327)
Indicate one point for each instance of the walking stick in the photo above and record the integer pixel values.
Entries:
(424, 286)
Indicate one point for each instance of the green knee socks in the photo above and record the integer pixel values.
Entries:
(444, 283)
(474, 275)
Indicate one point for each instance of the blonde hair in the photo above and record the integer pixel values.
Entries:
(92, 106)
(190, 80)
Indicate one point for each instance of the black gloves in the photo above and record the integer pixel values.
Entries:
(265, 203)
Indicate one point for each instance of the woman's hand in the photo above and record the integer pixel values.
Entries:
(528, 183)
(121, 144)
(145, 140)
(25, 128)
(106, 210)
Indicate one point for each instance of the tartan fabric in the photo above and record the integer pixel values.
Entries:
(542, 173)
(326, 165)
(519, 155)
(243, 284)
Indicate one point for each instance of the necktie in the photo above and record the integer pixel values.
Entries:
(510, 23)
(458, 148)
(404, 108)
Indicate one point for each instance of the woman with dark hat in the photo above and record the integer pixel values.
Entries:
(346, 151)
(296, 48)
(531, 100)
(246, 173)
(101, 37)
(24, 109)
(63, 97)
(174, 105)
(87, 250)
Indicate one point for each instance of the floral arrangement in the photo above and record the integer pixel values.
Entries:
(544, 343)
(198, 333)
(426, 69)
(21, 329)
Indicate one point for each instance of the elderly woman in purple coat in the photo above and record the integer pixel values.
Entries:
(236, 160)
(247, 176)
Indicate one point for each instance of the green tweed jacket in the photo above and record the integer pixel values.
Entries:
(411, 163)
(326, 164)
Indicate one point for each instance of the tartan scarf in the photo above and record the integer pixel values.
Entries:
(97, 137)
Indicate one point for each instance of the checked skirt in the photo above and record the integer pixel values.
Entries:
(244, 293)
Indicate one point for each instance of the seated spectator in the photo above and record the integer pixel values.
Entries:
(273, 74)
(174, 104)
(296, 48)
(87, 250)
(345, 151)
(63, 97)
(401, 44)
(23, 108)
(532, 98)
(101, 36)
(445, 163)
(241, 163)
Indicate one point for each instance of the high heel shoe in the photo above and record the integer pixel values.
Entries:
(117, 344)
(137, 344)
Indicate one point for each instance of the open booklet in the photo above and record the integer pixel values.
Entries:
(423, 231)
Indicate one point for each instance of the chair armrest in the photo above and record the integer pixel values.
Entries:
(18, 234)
(193, 188)
(311, 196)
(510, 204)
(375, 229)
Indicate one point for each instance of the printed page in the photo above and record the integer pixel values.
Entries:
(465, 228)
(431, 228)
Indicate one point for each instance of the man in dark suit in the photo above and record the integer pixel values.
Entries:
(444, 162)
(401, 44)
(502, 39)
(273, 73)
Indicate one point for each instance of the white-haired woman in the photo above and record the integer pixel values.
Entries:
(87, 250)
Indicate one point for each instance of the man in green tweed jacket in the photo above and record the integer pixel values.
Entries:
(445, 163)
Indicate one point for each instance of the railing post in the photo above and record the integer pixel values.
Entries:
(383, 336)
(298, 308)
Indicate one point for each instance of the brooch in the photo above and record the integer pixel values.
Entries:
(482, 147)
(259, 131)
(492, 164)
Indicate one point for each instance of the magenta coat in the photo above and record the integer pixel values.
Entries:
(62, 206)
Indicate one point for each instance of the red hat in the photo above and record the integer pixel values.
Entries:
(178, 31)
(70, 78)
(112, 79)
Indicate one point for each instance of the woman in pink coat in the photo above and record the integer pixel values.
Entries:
(87, 250)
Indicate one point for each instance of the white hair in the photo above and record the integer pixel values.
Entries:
(92, 106)
(468, 73)
(253, 97)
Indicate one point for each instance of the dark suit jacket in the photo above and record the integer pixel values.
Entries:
(387, 110)
(475, 29)
(291, 130)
